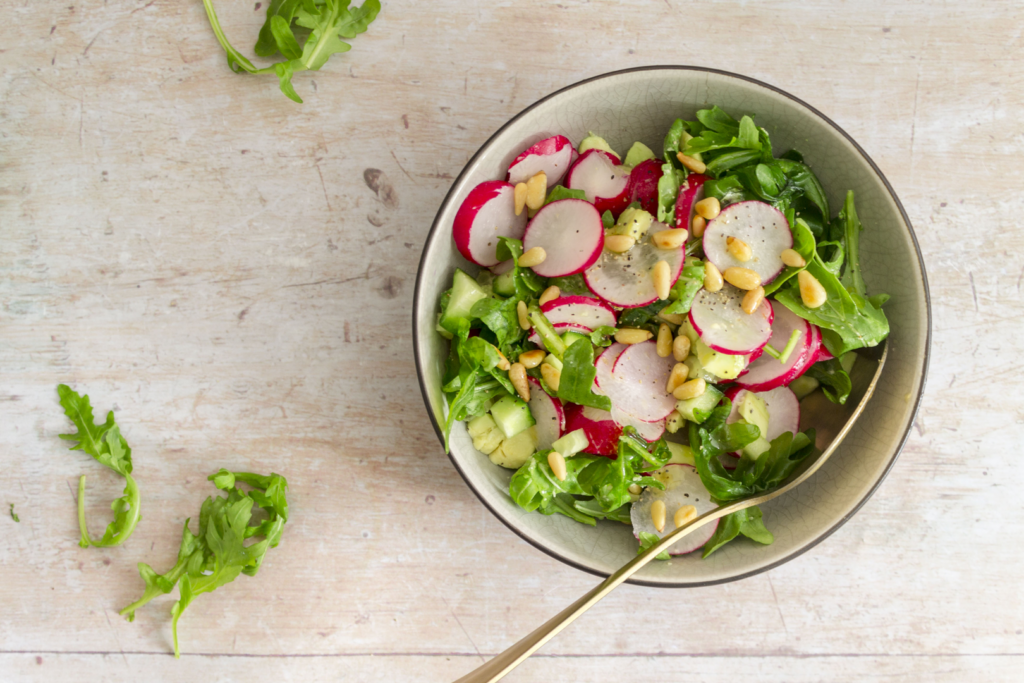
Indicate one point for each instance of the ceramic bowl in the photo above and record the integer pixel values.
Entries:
(640, 104)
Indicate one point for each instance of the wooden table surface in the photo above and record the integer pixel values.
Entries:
(208, 259)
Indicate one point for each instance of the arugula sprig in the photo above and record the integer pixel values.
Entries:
(105, 443)
(218, 553)
(322, 24)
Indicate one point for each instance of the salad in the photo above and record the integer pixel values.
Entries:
(640, 332)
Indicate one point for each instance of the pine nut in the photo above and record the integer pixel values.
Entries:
(658, 515)
(531, 359)
(552, 376)
(550, 294)
(691, 164)
(669, 239)
(520, 198)
(532, 257)
(634, 489)
(744, 278)
(664, 340)
(674, 318)
(503, 364)
(517, 375)
(752, 300)
(630, 335)
(524, 317)
(676, 377)
(618, 244)
(708, 208)
(739, 249)
(697, 227)
(681, 348)
(712, 277)
(811, 291)
(691, 389)
(685, 514)
(557, 464)
(536, 190)
(662, 277)
(793, 259)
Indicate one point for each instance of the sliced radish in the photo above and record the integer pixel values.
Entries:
(552, 155)
(783, 409)
(579, 310)
(548, 413)
(690, 193)
(643, 185)
(487, 213)
(621, 413)
(637, 383)
(601, 430)
(723, 325)
(503, 267)
(682, 487)
(603, 179)
(571, 232)
(763, 227)
(649, 431)
(605, 363)
(560, 328)
(823, 353)
(625, 280)
(766, 372)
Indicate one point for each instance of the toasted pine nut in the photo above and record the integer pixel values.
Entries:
(793, 259)
(811, 291)
(712, 277)
(739, 249)
(618, 244)
(503, 364)
(532, 257)
(550, 294)
(520, 198)
(630, 335)
(691, 389)
(744, 278)
(517, 375)
(662, 279)
(658, 515)
(684, 514)
(697, 227)
(634, 489)
(674, 318)
(557, 464)
(681, 348)
(669, 239)
(524, 318)
(676, 377)
(752, 300)
(531, 359)
(708, 208)
(536, 190)
(691, 164)
(664, 340)
(551, 375)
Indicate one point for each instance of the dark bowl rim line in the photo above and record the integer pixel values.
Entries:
(435, 225)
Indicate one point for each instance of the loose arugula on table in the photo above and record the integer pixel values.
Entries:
(14, 515)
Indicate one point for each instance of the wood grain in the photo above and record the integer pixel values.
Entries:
(223, 268)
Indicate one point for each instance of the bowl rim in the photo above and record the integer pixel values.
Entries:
(435, 225)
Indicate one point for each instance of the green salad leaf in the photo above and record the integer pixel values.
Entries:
(577, 381)
(14, 515)
(690, 281)
(647, 540)
(105, 443)
(560, 192)
(747, 522)
(835, 381)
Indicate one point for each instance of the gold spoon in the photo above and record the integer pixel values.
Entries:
(832, 422)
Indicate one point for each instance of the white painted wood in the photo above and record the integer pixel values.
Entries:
(193, 249)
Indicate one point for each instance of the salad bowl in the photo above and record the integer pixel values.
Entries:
(640, 104)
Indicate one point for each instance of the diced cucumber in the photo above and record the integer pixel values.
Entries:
(756, 448)
(505, 284)
(638, 154)
(683, 139)
(485, 433)
(753, 411)
(687, 329)
(571, 338)
(681, 455)
(697, 370)
(485, 278)
(803, 385)
(552, 342)
(847, 360)
(722, 365)
(512, 415)
(674, 422)
(512, 453)
(698, 409)
(596, 142)
(633, 222)
(465, 292)
(553, 362)
(572, 443)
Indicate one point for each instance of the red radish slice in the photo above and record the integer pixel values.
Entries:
(723, 325)
(625, 280)
(552, 155)
(604, 364)
(643, 185)
(823, 353)
(690, 193)
(763, 227)
(488, 212)
(560, 328)
(579, 310)
(503, 267)
(649, 431)
(601, 430)
(637, 383)
(603, 179)
(682, 487)
(783, 409)
(571, 232)
(548, 413)
(766, 372)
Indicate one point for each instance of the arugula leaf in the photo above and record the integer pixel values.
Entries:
(577, 380)
(834, 379)
(573, 284)
(560, 192)
(592, 508)
(647, 540)
(527, 283)
(14, 515)
(727, 190)
(747, 522)
(852, 278)
(608, 480)
(802, 177)
(690, 281)
(668, 192)
(673, 143)
(602, 336)
(641, 317)
(607, 221)
(104, 443)
(501, 318)
(534, 486)
(803, 244)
